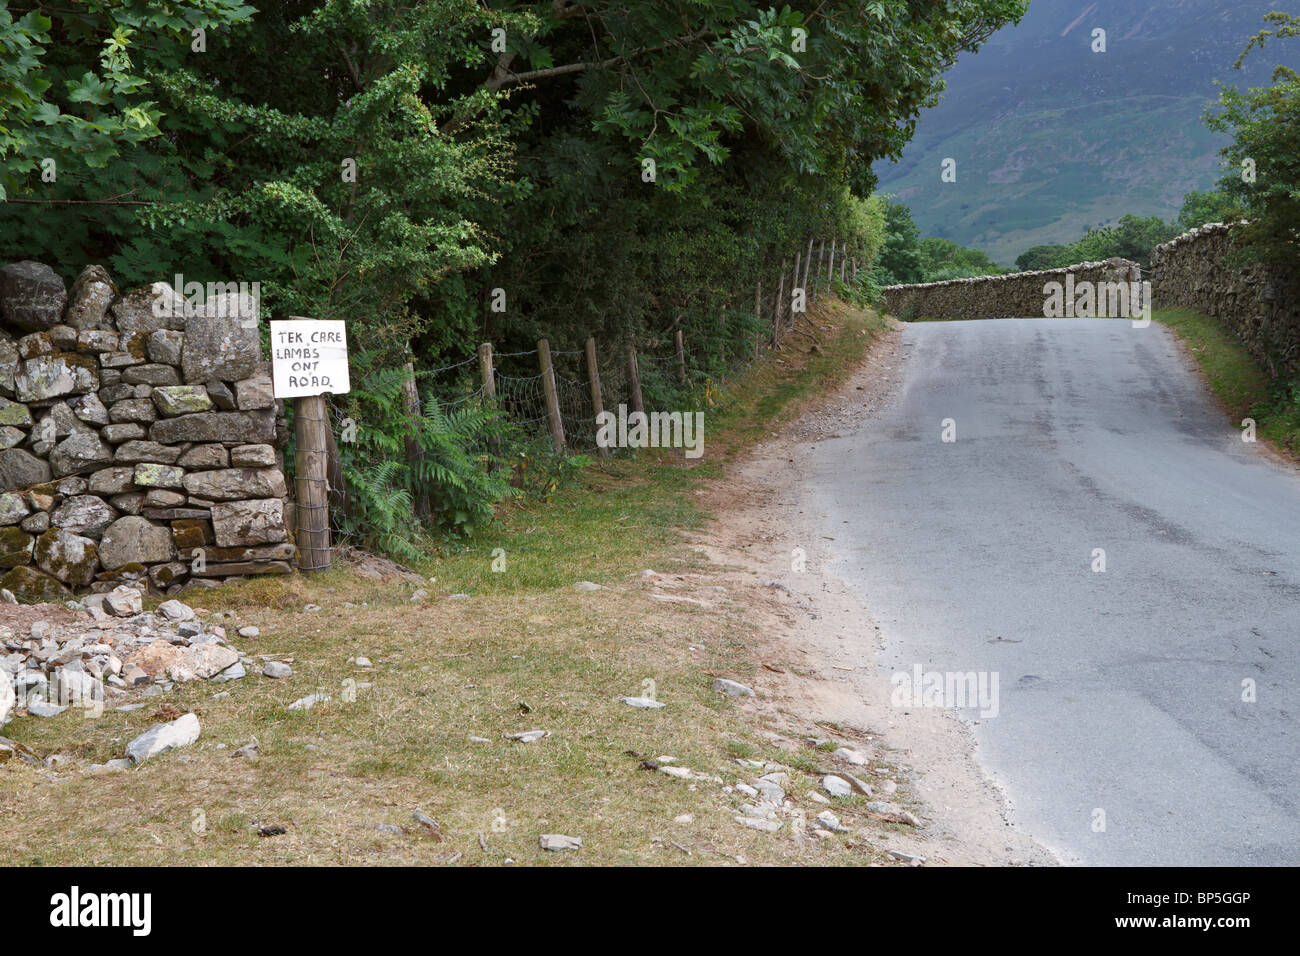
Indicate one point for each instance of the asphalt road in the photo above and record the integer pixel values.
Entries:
(1120, 692)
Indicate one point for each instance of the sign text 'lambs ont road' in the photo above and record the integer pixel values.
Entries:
(309, 357)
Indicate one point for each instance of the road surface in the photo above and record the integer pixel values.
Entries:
(1125, 730)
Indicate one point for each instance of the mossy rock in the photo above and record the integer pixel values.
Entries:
(31, 586)
(71, 558)
(133, 571)
(15, 547)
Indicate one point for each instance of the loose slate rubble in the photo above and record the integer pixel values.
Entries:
(133, 439)
(106, 653)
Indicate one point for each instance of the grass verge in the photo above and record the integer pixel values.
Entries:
(1237, 380)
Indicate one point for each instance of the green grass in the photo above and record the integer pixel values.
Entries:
(1236, 379)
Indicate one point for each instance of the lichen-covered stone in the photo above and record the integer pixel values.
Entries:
(174, 400)
(205, 457)
(252, 456)
(32, 296)
(36, 523)
(253, 393)
(78, 454)
(97, 340)
(165, 346)
(88, 302)
(235, 427)
(8, 364)
(253, 522)
(15, 413)
(130, 503)
(153, 307)
(152, 475)
(33, 586)
(59, 421)
(20, 469)
(83, 514)
(135, 539)
(89, 409)
(120, 432)
(221, 340)
(112, 481)
(231, 483)
(13, 508)
(221, 395)
(152, 374)
(72, 558)
(37, 343)
(139, 410)
(11, 437)
(49, 376)
(152, 452)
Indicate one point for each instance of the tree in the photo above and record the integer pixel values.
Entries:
(943, 259)
(1051, 256)
(1200, 208)
(900, 256)
(75, 91)
(1263, 177)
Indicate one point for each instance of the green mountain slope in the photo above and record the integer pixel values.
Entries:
(1051, 138)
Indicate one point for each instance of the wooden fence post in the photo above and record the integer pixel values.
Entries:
(597, 401)
(807, 264)
(842, 251)
(758, 311)
(794, 283)
(830, 267)
(634, 380)
(776, 312)
(311, 484)
(489, 379)
(821, 252)
(411, 395)
(485, 370)
(552, 395)
(681, 357)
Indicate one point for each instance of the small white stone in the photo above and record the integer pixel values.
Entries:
(732, 688)
(529, 736)
(558, 842)
(836, 786)
(310, 701)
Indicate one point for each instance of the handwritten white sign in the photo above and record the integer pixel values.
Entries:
(309, 357)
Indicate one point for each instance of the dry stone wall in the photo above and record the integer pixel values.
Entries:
(1196, 270)
(133, 431)
(1015, 295)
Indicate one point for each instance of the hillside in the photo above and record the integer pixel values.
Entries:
(1051, 138)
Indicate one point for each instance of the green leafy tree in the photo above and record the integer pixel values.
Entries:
(1050, 256)
(944, 259)
(1200, 208)
(1263, 178)
(900, 255)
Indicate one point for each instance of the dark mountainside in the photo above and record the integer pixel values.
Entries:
(1051, 138)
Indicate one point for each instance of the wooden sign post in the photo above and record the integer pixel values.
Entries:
(309, 358)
